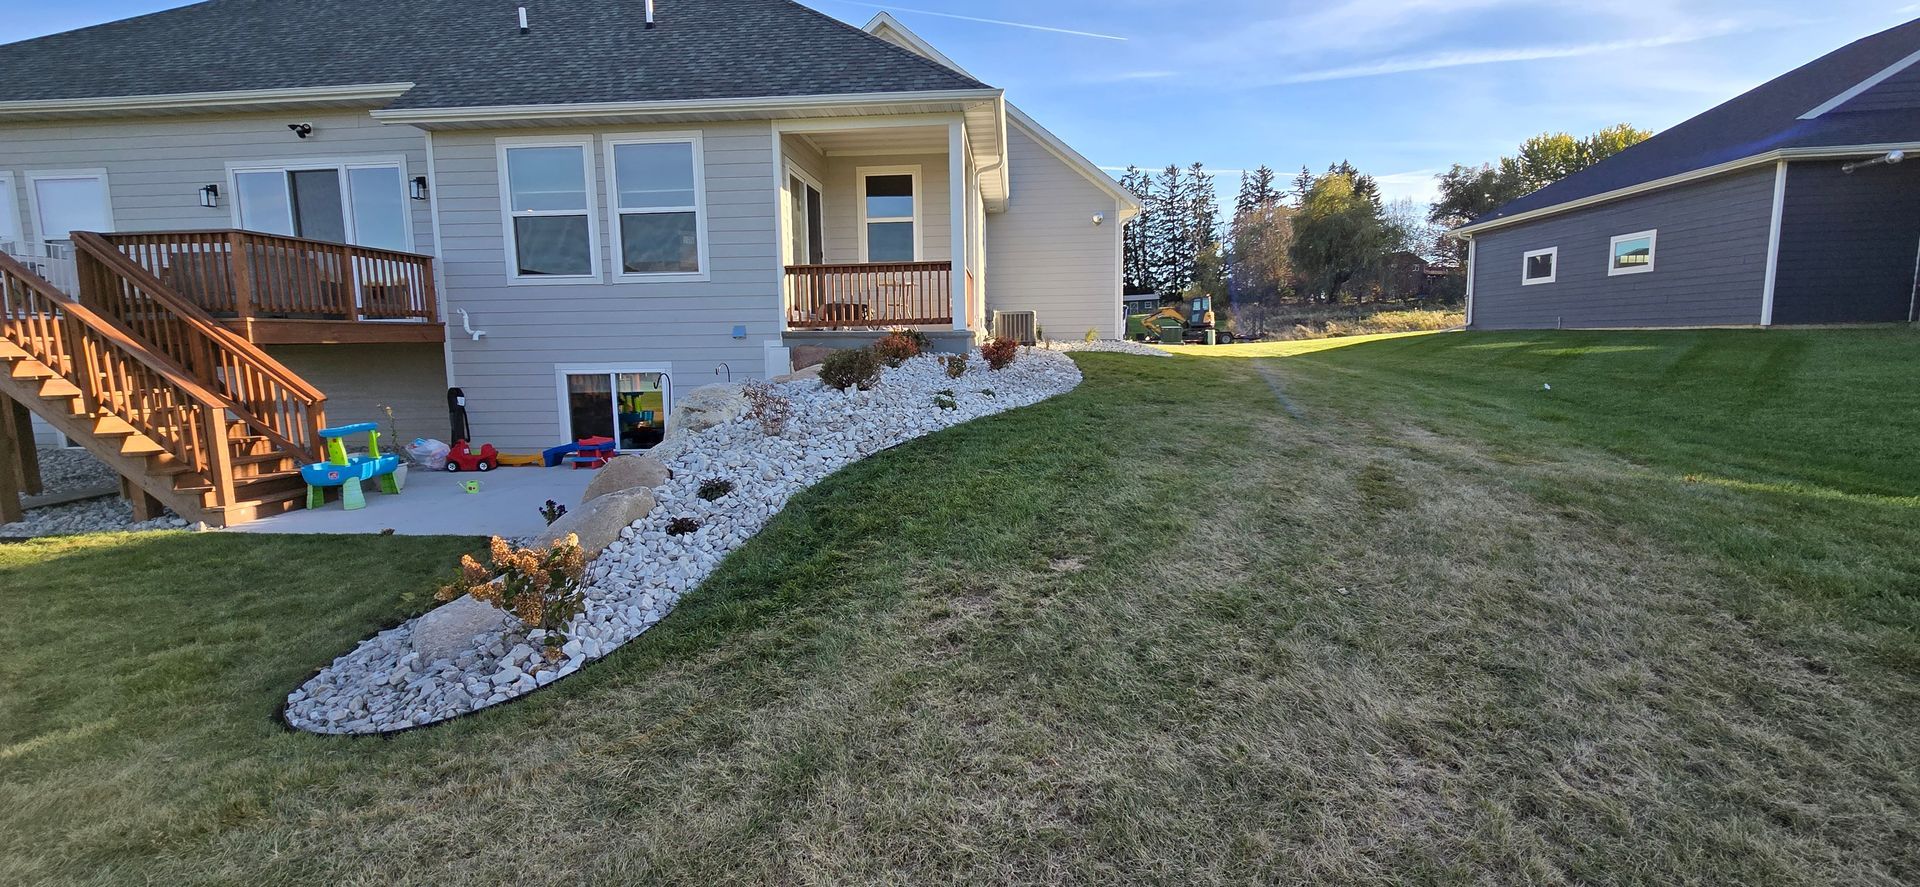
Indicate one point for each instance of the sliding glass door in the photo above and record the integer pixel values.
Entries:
(358, 203)
(628, 406)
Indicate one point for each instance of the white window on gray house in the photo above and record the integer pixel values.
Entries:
(628, 404)
(359, 202)
(658, 205)
(550, 230)
(1631, 253)
(889, 210)
(1540, 266)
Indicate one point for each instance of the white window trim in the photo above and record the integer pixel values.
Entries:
(1652, 236)
(507, 238)
(786, 206)
(860, 175)
(339, 165)
(33, 195)
(1528, 257)
(562, 370)
(16, 224)
(699, 207)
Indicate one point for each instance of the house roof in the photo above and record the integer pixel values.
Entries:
(459, 53)
(1777, 116)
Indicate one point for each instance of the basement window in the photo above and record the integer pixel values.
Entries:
(1540, 266)
(1631, 253)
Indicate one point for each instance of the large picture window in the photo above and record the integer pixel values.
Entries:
(658, 202)
(890, 214)
(361, 202)
(1631, 253)
(550, 230)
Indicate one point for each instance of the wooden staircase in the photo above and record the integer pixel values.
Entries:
(187, 411)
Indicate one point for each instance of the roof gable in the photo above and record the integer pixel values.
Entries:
(464, 54)
(1769, 117)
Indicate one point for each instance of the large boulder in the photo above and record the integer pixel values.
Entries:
(448, 630)
(806, 374)
(804, 356)
(707, 406)
(599, 521)
(626, 473)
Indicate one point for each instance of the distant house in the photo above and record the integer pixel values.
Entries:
(1787, 205)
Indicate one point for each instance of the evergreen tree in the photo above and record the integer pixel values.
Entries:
(1137, 266)
(1208, 276)
(1302, 186)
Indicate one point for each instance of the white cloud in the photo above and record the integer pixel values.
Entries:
(1463, 58)
(987, 21)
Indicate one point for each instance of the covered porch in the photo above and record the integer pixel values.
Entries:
(881, 222)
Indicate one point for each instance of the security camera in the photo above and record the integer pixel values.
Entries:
(301, 129)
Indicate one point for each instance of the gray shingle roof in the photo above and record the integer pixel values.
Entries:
(461, 53)
(1764, 119)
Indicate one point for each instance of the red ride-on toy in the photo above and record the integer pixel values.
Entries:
(461, 459)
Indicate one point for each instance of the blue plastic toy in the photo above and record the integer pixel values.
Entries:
(347, 472)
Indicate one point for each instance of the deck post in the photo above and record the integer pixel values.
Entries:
(11, 450)
(30, 482)
(957, 209)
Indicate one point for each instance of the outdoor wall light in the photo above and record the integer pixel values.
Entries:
(1098, 218)
(418, 188)
(302, 130)
(210, 196)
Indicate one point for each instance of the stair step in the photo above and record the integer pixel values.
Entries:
(135, 445)
(10, 351)
(112, 426)
(30, 369)
(240, 484)
(57, 387)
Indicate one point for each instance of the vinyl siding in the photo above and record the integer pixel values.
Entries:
(156, 167)
(362, 380)
(1848, 244)
(682, 327)
(1710, 261)
(1901, 92)
(843, 205)
(1045, 254)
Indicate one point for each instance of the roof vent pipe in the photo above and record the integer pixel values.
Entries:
(523, 19)
(649, 15)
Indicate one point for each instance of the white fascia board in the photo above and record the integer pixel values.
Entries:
(1129, 205)
(1864, 85)
(207, 101)
(771, 105)
(884, 23)
(1837, 152)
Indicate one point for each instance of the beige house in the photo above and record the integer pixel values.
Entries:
(567, 211)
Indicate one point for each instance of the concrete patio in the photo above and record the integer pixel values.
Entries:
(434, 504)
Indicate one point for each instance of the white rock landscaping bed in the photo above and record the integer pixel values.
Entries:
(1113, 346)
(384, 685)
(73, 470)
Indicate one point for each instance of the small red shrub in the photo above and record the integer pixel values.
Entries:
(1000, 352)
(897, 347)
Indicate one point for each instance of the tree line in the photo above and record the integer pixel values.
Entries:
(1329, 237)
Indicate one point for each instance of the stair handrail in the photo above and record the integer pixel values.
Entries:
(202, 346)
(201, 439)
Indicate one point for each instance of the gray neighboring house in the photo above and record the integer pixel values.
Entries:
(602, 211)
(1789, 205)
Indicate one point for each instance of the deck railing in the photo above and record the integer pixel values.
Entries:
(53, 262)
(248, 274)
(869, 295)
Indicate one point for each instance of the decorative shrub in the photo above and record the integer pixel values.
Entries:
(898, 346)
(944, 399)
(1092, 336)
(713, 488)
(854, 367)
(986, 392)
(1000, 352)
(955, 365)
(681, 526)
(540, 588)
(766, 407)
(553, 511)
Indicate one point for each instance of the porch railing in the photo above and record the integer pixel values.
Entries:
(52, 261)
(249, 274)
(869, 295)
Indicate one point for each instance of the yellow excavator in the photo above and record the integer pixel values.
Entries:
(1189, 322)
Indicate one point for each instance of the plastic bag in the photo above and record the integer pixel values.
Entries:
(429, 453)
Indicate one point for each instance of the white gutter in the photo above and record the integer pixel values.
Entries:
(195, 101)
(1773, 242)
(1775, 156)
(747, 105)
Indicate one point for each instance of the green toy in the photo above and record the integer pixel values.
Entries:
(347, 472)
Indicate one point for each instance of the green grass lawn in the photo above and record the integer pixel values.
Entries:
(1340, 611)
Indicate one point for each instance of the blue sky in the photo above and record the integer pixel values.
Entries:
(1400, 87)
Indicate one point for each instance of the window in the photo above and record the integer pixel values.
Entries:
(806, 229)
(66, 201)
(362, 202)
(628, 404)
(1631, 253)
(890, 214)
(9, 211)
(657, 193)
(1540, 266)
(547, 188)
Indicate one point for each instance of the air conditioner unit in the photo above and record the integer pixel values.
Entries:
(1020, 326)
